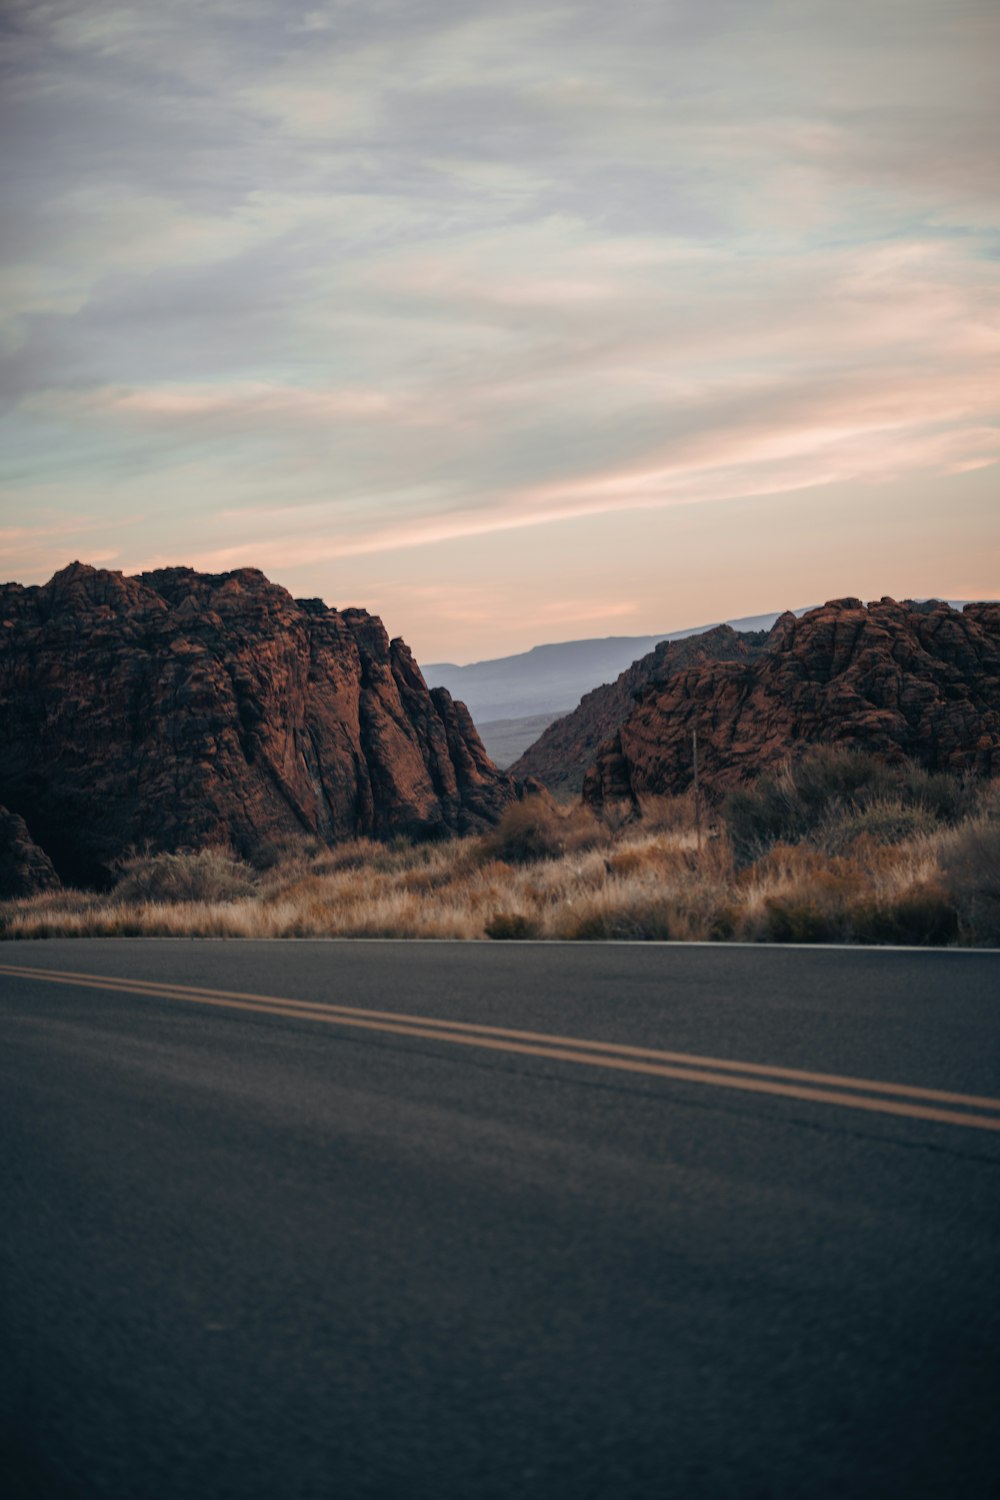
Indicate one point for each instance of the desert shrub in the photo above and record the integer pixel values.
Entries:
(872, 866)
(422, 879)
(400, 853)
(618, 814)
(537, 829)
(970, 865)
(885, 821)
(631, 861)
(799, 894)
(921, 916)
(650, 857)
(483, 875)
(582, 829)
(946, 798)
(511, 925)
(621, 916)
(667, 814)
(798, 919)
(723, 923)
(836, 794)
(205, 875)
(761, 816)
(289, 849)
(527, 831)
(831, 774)
(799, 866)
(352, 854)
(785, 806)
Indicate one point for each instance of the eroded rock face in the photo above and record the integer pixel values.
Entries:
(24, 868)
(561, 756)
(894, 679)
(178, 709)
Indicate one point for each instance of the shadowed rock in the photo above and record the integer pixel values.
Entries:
(24, 868)
(562, 754)
(180, 709)
(896, 680)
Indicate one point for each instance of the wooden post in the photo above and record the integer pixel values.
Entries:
(697, 789)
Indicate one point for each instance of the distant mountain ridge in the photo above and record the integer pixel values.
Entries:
(552, 678)
(513, 699)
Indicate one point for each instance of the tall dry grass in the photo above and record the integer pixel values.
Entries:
(876, 857)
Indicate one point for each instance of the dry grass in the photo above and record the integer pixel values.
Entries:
(876, 865)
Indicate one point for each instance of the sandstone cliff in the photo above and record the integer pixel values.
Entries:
(178, 709)
(24, 868)
(562, 754)
(895, 679)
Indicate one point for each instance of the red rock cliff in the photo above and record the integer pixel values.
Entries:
(181, 709)
(561, 756)
(895, 679)
(24, 868)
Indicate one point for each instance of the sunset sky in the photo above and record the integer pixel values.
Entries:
(512, 324)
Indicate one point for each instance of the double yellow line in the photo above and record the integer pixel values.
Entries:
(971, 1110)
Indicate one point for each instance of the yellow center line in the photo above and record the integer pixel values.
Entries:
(181, 991)
(647, 1062)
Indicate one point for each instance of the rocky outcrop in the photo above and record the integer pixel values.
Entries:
(24, 868)
(921, 681)
(179, 709)
(562, 754)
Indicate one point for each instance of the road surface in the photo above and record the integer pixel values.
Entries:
(441, 1220)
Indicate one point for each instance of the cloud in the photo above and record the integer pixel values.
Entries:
(354, 279)
(29, 550)
(677, 372)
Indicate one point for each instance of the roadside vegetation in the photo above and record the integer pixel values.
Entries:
(839, 848)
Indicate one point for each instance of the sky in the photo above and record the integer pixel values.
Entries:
(511, 323)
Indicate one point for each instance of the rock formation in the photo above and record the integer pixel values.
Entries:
(562, 754)
(916, 680)
(24, 868)
(179, 709)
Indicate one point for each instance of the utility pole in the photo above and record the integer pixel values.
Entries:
(697, 789)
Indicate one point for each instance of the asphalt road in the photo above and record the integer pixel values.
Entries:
(338, 1249)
